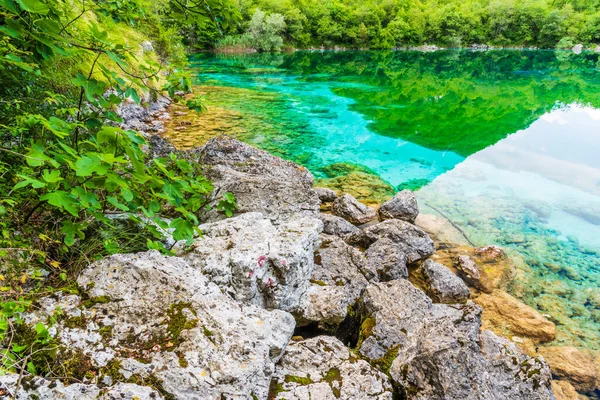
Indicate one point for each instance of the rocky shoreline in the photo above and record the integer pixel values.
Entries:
(305, 293)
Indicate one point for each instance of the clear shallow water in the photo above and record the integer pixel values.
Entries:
(505, 144)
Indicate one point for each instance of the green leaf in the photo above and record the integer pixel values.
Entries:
(52, 176)
(18, 348)
(85, 166)
(116, 203)
(184, 230)
(108, 134)
(34, 6)
(27, 180)
(63, 200)
(31, 368)
(35, 156)
(70, 230)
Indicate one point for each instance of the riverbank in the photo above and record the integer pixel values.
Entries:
(296, 283)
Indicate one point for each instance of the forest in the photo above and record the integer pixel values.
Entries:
(385, 24)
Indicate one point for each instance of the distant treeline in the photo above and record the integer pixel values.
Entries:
(379, 24)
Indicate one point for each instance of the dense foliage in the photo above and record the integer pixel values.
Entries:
(75, 186)
(389, 23)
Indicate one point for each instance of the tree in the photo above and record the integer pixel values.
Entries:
(265, 31)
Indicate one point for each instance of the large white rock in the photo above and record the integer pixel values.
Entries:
(167, 323)
(256, 261)
(260, 181)
(40, 388)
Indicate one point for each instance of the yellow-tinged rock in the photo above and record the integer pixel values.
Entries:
(572, 364)
(563, 390)
(504, 314)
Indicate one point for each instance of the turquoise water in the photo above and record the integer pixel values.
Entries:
(505, 144)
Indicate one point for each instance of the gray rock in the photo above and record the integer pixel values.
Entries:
(577, 49)
(338, 226)
(325, 195)
(41, 388)
(533, 373)
(443, 285)
(393, 316)
(352, 210)
(147, 46)
(323, 368)
(402, 206)
(411, 240)
(256, 261)
(436, 351)
(141, 117)
(387, 259)
(260, 182)
(168, 323)
(455, 362)
(336, 282)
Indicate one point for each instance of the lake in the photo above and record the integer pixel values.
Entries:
(505, 144)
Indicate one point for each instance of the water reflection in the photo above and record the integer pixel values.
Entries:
(537, 192)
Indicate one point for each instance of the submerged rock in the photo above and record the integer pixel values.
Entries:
(572, 364)
(352, 210)
(358, 181)
(156, 321)
(402, 206)
(472, 274)
(443, 286)
(411, 240)
(338, 226)
(256, 261)
(563, 390)
(502, 312)
(260, 181)
(323, 368)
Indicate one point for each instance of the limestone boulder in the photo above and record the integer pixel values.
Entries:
(572, 364)
(352, 210)
(323, 368)
(257, 261)
(337, 281)
(326, 195)
(502, 312)
(455, 361)
(411, 240)
(442, 285)
(387, 259)
(158, 322)
(436, 351)
(393, 316)
(260, 181)
(402, 206)
(40, 388)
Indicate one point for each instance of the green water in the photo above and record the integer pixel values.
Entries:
(506, 144)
